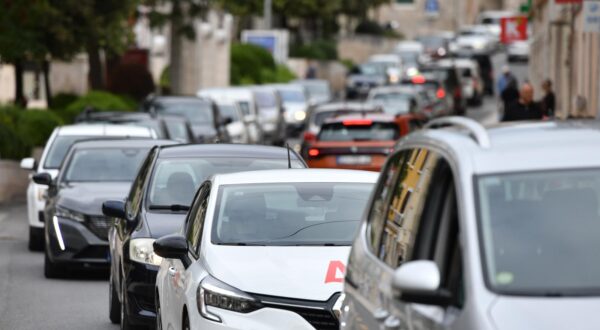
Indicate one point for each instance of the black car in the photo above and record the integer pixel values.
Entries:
(157, 204)
(207, 123)
(92, 172)
(451, 81)
(170, 127)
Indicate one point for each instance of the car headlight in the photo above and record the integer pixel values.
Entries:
(300, 115)
(141, 250)
(65, 213)
(479, 45)
(212, 292)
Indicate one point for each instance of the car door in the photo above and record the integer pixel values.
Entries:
(386, 240)
(178, 274)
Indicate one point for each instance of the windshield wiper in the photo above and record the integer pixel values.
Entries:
(172, 207)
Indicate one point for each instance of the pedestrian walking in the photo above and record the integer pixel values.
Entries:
(549, 100)
(505, 79)
(510, 94)
(525, 108)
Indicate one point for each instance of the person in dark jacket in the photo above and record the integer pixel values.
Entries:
(549, 100)
(510, 94)
(524, 108)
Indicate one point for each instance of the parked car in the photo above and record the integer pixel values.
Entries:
(77, 233)
(359, 142)
(52, 157)
(296, 106)
(157, 205)
(322, 112)
(207, 124)
(170, 127)
(470, 236)
(318, 90)
(262, 250)
(472, 83)
(247, 103)
(364, 77)
(271, 112)
(451, 80)
(518, 51)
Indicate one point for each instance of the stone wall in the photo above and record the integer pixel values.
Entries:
(13, 181)
(358, 48)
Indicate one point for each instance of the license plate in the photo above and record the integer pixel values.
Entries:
(354, 160)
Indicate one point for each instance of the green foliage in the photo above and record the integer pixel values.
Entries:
(348, 63)
(251, 64)
(282, 74)
(318, 50)
(35, 126)
(62, 100)
(99, 100)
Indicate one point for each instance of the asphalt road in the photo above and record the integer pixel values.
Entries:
(29, 301)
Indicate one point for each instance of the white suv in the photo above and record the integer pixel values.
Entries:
(56, 148)
(475, 228)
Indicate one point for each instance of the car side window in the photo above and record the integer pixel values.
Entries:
(405, 204)
(196, 220)
(136, 194)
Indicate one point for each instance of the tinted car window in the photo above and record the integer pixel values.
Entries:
(197, 112)
(176, 180)
(373, 132)
(58, 150)
(137, 188)
(394, 103)
(104, 164)
(177, 130)
(289, 213)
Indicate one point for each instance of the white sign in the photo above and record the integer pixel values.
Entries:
(274, 41)
(591, 16)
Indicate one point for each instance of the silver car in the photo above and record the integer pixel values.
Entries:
(475, 228)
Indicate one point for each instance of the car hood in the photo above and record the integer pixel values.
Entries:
(87, 197)
(300, 272)
(546, 313)
(160, 224)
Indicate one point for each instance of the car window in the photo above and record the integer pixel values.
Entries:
(294, 213)
(195, 220)
(396, 213)
(175, 180)
(229, 111)
(104, 164)
(136, 193)
(59, 148)
(196, 111)
(245, 106)
(178, 131)
(348, 131)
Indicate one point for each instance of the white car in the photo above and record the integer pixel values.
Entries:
(392, 63)
(56, 149)
(296, 105)
(472, 83)
(262, 250)
(476, 39)
(237, 127)
(518, 51)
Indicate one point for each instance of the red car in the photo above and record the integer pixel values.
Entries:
(360, 142)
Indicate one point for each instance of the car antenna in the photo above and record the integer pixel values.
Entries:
(287, 145)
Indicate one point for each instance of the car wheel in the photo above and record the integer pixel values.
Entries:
(114, 305)
(186, 322)
(36, 240)
(51, 270)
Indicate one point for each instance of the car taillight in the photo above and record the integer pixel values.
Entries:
(309, 137)
(441, 93)
(313, 152)
(418, 79)
(357, 122)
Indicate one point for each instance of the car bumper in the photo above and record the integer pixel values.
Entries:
(35, 205)
(377, 162)
(264, 319)
(140, 280)
(71, 243)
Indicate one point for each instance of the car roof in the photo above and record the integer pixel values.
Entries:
(519, 146)
(296, 175)
(120, 143)
(225, 150)
(336, 106)
(106, 130)
(377, 117)
(175, 99)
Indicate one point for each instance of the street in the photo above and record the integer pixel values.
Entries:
(29, 301)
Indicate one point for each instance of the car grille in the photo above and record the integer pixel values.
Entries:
(99, 225)
(318, 313)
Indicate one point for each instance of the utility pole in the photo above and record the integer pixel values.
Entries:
(267, 13)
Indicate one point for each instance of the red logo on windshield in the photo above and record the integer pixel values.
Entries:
(335, 272)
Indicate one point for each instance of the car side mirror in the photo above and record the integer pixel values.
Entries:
(44, 179)
(28, 163)
(419, 282)
(114, 209)
(173, 246)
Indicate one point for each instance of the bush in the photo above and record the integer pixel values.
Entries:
(62, 100)
(250, 64)
(99, 100)
(318, 50)
(12, 145)
(35, 126)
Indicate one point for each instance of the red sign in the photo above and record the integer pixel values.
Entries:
(513, 29)
(335, 272)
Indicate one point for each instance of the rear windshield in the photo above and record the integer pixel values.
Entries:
(229, 111)
(265, 99)
(104, 164)
(373, 132)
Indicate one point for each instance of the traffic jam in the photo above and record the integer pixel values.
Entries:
(282, 206)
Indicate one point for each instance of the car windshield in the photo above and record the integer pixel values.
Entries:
(540, 232)
(276, 214)
(317, 90)
(265, 99)
(174, 181)
(197, 112)
(58, 150)
(373, 69)
(229, 111)
(409, 58)
(360, 132)
(292, 96)
(394, 103)
(104, 164)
